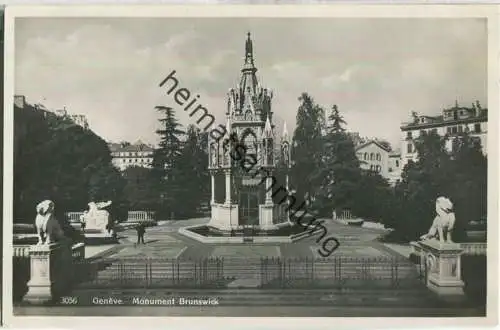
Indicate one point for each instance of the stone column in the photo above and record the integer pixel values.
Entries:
(228, 187)
(269, 191)
(443, 268)
(212, 179)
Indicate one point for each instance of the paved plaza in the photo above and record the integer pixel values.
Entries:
(163, 241)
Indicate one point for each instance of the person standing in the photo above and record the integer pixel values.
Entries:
(141, 230)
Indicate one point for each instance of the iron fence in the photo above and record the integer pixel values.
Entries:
(268, 272)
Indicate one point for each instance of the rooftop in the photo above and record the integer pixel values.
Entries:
(361, 146)
(456, 114)
(138, 146)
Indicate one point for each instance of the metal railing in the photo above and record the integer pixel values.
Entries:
(384, 272)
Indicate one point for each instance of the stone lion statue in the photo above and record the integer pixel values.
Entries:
(443, 223)
(47, 226)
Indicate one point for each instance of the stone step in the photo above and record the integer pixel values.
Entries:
(258, 297)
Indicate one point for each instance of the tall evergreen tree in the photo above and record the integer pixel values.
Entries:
(336, 121)
(194, 180)
(339, 173)
(307, 146)
(164, 161)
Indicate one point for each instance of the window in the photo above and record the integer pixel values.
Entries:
(408, 135)
(454, 130)
(390, 169)
(477, 128)
(366, 156)
(460, 129)
(410, 148)
(378, 157)
(378, 168)
(372, 156)
(448, 130)
(397, 163)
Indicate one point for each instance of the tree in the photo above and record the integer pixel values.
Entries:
(373, 197)
(307, 146)
(469, 188)
(55, 159)
(164, 161)
(338, 173)
(336, 120)
(460, 175)
(138, 190)
(193, 178)
(422, 182)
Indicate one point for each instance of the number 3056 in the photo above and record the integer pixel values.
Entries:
(69, 300)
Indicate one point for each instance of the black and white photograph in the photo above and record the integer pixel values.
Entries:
(260, 164)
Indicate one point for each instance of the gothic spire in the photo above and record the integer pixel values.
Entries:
(248, 81)
(284, 136)
(268, 130)
(248, 50)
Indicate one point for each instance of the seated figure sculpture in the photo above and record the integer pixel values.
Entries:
(443, 223)
(47, 226)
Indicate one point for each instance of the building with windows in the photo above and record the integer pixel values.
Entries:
(373, 156)
(452, 122)
(80, 120)
(127, 155)
(394, 170)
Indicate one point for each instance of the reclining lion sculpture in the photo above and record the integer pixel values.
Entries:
(443, 223)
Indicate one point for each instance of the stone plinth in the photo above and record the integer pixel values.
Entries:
(97, 221)
(266, 213)
(443, 268)
(224, 216)
(51, 272)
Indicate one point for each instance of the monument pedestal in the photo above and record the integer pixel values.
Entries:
(50, 272)
(443, 269)
(266, 217)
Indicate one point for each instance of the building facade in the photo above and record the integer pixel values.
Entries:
(125, 156)
(452, 122)
(238, 196)
(373, 156)
(80, 120)
(395, 169)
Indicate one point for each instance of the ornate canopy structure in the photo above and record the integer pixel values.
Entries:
(244, 183)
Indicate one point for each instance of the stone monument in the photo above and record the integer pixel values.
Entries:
(50, 258)
(441, 255)
(97, 220)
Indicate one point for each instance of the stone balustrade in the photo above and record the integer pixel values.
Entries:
(140, 215)
(78, 251)
(21, 251)
(473, 248)
(73, 216)
(467, 248)
(132, 216)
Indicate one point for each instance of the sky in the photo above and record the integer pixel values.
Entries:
(377, 70)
